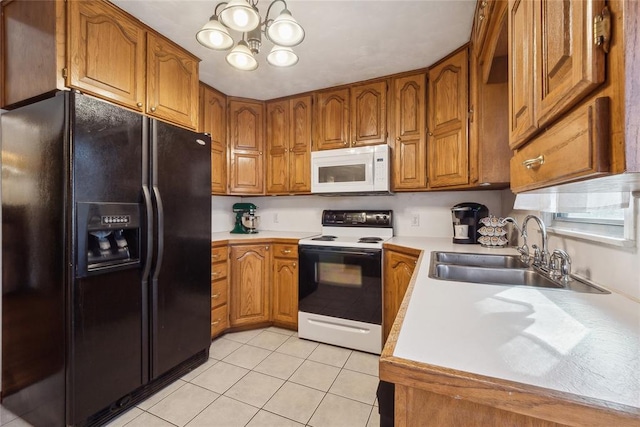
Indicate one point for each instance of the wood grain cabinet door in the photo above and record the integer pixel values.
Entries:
(448, 139)
(213, 120)
(172, 83)
(332, 119)
(300, 116)
(285, 292)
(398, 269)
(409, 125)
(106, 53)
(569, 64)
(246, 142)
(522, 56)
(277, 158)
(250, 284)
(369, 114)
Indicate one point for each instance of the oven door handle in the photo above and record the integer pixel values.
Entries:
(340, 251)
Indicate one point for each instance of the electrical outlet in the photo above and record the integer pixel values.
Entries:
(415, 220)
(276, 220)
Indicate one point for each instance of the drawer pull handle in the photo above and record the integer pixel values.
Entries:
(215, 296)
(215, 274)
(286, 251)
(215, 323)
(530, 163)
(215, 256)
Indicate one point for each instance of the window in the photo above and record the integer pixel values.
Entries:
(613, 226)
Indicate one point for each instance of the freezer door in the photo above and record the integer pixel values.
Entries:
(181, 274)
(108, 310)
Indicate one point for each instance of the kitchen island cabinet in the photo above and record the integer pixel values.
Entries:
(474, 354)
(399, 264)
(250, 293)
(98, 49)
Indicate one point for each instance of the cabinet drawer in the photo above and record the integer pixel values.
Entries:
(218, 270)
(281, 250)
(219, 293)
(572, 149)
(219, 320)
(219, 254)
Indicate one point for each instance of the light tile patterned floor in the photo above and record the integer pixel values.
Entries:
(259, 378)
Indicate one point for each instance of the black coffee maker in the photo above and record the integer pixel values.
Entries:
(466, 221)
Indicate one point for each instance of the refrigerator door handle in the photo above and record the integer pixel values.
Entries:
(148, 207)
(160, 234)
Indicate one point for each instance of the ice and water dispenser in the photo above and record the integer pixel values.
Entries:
(108, 237)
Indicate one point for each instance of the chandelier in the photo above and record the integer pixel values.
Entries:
(243, 16)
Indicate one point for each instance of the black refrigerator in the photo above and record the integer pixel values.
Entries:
(106, 229)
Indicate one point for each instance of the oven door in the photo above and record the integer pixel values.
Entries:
(341, 282)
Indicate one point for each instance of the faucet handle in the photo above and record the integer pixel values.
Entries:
(537, 255)
(561, 264)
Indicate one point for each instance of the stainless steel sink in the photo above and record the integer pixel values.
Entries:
(480, 260)
(506, 270)
(493, 276)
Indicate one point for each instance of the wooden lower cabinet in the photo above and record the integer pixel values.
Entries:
(399, 264)
(250, 280)
(284, 286)
(219, 290)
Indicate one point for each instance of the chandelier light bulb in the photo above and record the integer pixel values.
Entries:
(285, 30)
(241, 57)
(214, 35)
(239, 15)
(282, 57)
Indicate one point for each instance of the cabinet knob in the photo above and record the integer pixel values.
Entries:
(429, 133)
(398, 139)
(286, 149)
(353, 143)
(294, 264)
(483, 4)
(531, 163)
(153, 109)
(260, 152)
(481, 17)
(139, 104)
(266, 248)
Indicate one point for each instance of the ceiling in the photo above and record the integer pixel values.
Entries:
(346, 41)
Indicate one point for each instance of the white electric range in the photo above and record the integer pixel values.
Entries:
(340, 280)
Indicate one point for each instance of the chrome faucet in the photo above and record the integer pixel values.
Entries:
(560, 264)
(541, 256)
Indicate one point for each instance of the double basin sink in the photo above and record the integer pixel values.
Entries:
(494, 269)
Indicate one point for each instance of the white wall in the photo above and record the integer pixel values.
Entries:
(614, 267)
(302, 213)
(222, 216)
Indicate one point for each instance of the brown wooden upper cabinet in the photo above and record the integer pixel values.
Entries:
(554, 62)
(246, 144)
(409, 128)
(288, 160)
(351, 117)
(100, 50)
(107, 53)
(213, 120)
(447, 116)
(172, 82)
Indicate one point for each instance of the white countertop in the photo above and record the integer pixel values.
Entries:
(225, 235)
(584, 344)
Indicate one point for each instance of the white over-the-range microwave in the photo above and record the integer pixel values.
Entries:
(364, 170)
